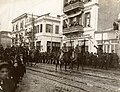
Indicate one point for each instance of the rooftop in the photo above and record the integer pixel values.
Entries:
(22, 16)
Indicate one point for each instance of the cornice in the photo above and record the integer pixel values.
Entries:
(87, 7)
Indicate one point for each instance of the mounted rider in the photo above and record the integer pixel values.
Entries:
(64, 48)
(63, 51)
(77, 50)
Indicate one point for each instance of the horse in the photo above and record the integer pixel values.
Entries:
(78, 60)
(65, 59)
(34, 57)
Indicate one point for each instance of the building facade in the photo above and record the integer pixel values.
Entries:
(108, 39)
(47, 33)
(91, 16)
(19, 28)
(5, 39)
(44, 32)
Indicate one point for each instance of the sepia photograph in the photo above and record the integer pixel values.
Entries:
(59, 45)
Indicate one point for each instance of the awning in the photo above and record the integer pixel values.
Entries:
(73, 15)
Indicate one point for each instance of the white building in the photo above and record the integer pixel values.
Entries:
(91, 16)
(19, 28)
(108, 39)
(45, 29)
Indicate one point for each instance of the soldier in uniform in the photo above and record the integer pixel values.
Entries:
(63, 51)
(77, 51)
(1, 52)
(64, 48)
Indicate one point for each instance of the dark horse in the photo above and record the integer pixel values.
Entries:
(65, 59)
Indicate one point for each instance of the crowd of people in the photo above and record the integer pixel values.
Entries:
(12, 68)
(13, 61)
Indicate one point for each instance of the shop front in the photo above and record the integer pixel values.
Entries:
(55, 47)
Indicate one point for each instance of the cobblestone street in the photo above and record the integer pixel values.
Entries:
(34, 83)
(44, 78)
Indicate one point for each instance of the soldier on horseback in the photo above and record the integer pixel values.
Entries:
(62, 55)
(63, 51)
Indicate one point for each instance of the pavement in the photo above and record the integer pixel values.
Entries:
(50, 80)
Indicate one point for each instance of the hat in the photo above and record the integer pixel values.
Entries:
(4, 65)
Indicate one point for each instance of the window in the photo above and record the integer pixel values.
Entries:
(40, 27)
(56, 29)
(87, 19)
(38, 45)
(16, 35)
(16, 26)
(13, 28)
(49, 28)
(80, 21)
(21, 25)
(37, 29)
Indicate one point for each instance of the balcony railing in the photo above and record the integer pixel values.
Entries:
(74, 5)
(73, 29)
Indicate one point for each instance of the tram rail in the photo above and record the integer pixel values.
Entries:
(80, 88)
(74, 74)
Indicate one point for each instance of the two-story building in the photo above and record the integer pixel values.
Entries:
(44, 31)
(82, 18)
(19, 28)
(47, 33)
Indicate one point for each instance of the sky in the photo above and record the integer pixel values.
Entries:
(10, 9)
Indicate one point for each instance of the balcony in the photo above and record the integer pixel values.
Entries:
(73, 5)
(73, 29)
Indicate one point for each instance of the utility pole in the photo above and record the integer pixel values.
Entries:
(33, 35)
(51, 31)
(102, 39)
(70, 41)
(51, 43)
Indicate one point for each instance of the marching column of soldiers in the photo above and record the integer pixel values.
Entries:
(18, 57)
(101, 59)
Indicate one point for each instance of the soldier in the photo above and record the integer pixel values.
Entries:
(63, 51)
(7, 54)
(115, 60)
(64, 48)
(36, 56)
(1, 52)
(77, 51)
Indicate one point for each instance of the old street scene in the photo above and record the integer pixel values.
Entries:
(59, 45)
